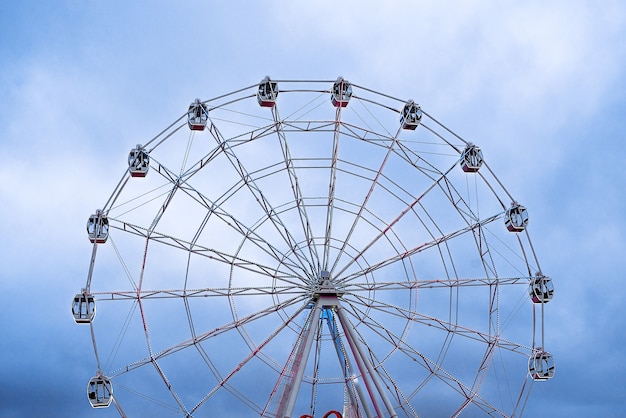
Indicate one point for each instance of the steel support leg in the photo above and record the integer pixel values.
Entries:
(364, 362)
(288, 400)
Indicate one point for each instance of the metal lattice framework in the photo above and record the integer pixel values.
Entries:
(299, 247)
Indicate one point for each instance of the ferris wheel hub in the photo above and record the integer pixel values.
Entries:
(326, 286)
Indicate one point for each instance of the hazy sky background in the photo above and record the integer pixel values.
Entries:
(543, 84)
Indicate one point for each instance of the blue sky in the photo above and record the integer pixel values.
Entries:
(541, 87)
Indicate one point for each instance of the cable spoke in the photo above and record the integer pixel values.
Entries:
(390, 225)
(331, 188)
(433, 367)
(442, 325)
(260, 197)
(210, 253)
(210, 334)
(415, 250)
(295, 186)
(359, 214)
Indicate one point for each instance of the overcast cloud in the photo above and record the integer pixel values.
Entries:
(540, 87)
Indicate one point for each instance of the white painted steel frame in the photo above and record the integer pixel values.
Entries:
(294, 253)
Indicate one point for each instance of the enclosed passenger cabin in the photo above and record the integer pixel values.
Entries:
(471, 159)
(83, 308)
(197, 116)
(267, 93)
(411, 116)
(516, 218)
(341, 93)
(540, 289)
(138, 162)
(541, 365)
(100, 391)
(98, 227)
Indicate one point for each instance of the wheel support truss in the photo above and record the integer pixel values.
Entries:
(326, 304)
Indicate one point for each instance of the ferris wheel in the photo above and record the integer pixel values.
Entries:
(312, 249)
